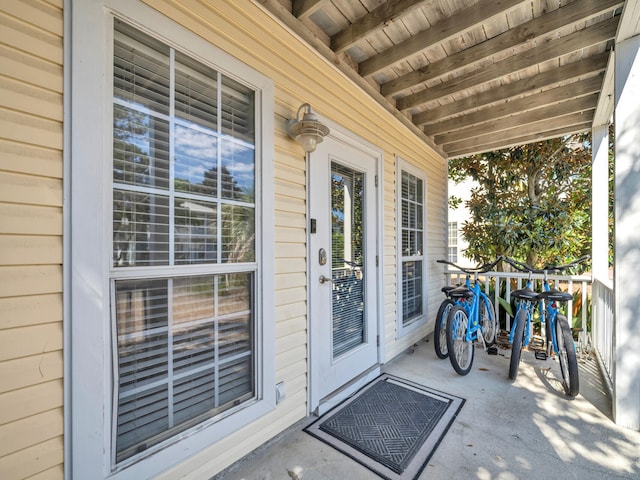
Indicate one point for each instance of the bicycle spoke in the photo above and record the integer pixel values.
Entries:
(461, 352)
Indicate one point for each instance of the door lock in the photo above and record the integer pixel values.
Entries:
(322, 256)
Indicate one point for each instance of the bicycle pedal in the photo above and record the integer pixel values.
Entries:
(492, 350)
(540, 355)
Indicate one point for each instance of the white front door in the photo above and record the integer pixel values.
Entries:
(343, 273)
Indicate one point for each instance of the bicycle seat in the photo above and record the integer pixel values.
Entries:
(525, 294)
(555, 295)
(459, 292)
(446, 289)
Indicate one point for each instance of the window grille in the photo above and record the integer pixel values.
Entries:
(452, 249)
(412, 256)
(184, 267)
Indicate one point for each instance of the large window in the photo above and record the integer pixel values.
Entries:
(411, 200)
(184, 266)
(169, 226)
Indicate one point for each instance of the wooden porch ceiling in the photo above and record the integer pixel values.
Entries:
(468, 76)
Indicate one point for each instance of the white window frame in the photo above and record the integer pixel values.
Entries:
(452, 241)
(88, 213)
(401, 329)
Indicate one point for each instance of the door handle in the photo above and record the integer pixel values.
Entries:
(324, 279)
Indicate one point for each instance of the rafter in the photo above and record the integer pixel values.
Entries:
(536, 102)
(375, 20)
(526, 86)
(544, 114)
(306, 8)
(447, 29)
(594, 35)
(571, 14)
(519, 136)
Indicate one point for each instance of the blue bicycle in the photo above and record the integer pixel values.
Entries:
(440, 330)
(472, 318)
(558, 336)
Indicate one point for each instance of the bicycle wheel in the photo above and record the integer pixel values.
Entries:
(518, 339)
(440, 332)
(488, 321)
(460, 351)
(567, 357)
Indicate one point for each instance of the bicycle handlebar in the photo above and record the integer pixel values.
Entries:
(487, 267)
(523, 267)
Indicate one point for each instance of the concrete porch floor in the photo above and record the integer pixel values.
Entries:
(506, 430)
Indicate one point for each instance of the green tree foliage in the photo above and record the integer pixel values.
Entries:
(532, 202)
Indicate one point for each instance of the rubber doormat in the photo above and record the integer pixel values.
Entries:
(392, 426)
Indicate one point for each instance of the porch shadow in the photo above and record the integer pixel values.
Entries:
(506, 429)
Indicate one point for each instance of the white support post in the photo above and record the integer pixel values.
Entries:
(626, 375)
(600, 203)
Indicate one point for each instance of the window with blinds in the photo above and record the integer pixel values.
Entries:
(347, 256)
(452, 248)
(184, 266)
(412, 254)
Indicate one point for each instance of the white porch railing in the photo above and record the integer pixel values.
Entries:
(501, 284)
(595, 317)
(603, 325)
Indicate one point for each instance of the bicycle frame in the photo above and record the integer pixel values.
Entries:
(549, 312)
(472, 307)
(529, 307)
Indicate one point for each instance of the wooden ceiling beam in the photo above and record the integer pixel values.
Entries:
(590, 86)
(501, 141)
(306, 8)
(596, 34)
(451, 27)
(544, 114)
(567, 15)
(375, 20)
(526, 86)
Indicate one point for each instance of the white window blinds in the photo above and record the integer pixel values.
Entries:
(412, 200)
(183, 196)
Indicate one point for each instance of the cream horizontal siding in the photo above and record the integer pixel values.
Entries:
(248, 33)
(31, 114)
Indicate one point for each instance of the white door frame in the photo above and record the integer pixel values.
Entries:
(313, 397)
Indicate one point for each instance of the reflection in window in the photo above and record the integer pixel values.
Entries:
(196, 161)
(183, 195)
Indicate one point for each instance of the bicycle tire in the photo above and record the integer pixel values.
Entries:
(440, 331)
(516, 348)
(567, 357)
(489, 322)
(461, 352)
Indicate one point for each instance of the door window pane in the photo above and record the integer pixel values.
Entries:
(347, 254)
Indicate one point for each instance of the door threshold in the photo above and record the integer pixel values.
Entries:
(341, 394)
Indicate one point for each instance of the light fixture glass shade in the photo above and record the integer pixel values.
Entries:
(309, 131)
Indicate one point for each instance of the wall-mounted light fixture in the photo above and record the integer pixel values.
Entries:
(308, 131)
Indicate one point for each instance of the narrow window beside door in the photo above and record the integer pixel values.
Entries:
(411, 200)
